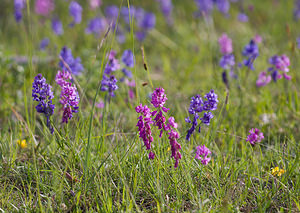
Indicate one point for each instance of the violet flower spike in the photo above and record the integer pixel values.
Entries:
(255, 136)
(41, 92)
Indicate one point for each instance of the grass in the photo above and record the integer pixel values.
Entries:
(97, 162)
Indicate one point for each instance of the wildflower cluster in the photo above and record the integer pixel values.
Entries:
(69, 97)
(199, 105)
(41, 92)
(69, 63)
(255, 136)
(202, 153)
(156, 118)
(279, 64)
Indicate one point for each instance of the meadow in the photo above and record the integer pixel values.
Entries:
(149, 106)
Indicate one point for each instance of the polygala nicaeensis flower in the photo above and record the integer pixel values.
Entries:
(198, 105)
(157, 119)
(255, 136)
(69, 97)
(202, 153)
(67, 58)
(41, 92)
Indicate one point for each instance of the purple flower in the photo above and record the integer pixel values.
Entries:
(69, 97)
(128, 58)
(297, 9)
(141, 35)
(127, 73)
(202, 153)
(148, 22)
(112, 64)
(112, 12)
(223, 6)
(41, 92)
(109, 84)
(19, 5)
(75, 11)
(205, 7)
(225, 44)
(143, 125)
(207, 116)
(156, 118)
(125, 13)
(44, 43)
(193, 127)
(197, 105)
(263, 79)
(57, 26)
(250, 51)
(74, 64)
(255, 136)
(159, 98)
(227, 62)
(212, 101)
(242, 17)
(175, 146)
(44, 7)
(151, 155)
(298, 42)
(96, 26)
(166, 7)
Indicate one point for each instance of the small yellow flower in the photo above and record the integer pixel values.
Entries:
(277, 172)
(22, 143)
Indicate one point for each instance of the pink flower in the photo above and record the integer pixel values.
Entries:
(263, 79)
(255, 136)
(202, 153)
(257, 39)
(94, 4)
(44, 7)
(225, 44)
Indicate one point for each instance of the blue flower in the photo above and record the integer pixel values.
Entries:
(44, 43)
(96, 26)
(75, 11)
(74, 64)
(128, 58)
(57, 26)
